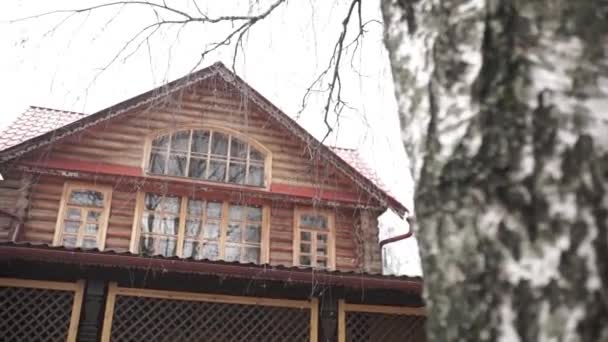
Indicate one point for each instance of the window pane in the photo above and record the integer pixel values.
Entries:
(305, 248)
(170, 225)
(256, 175)
(172, 204)
(89, 198)
(193, 227)
(217, 171)
(238, 149)
(219, 144)
(305, 236)
(197, 168)
(69, 241)
(212, 231)
(208, 251)
(253, 233)
(237, 173)
(233, 253)
(93, 216)
(157, 163)
(304, 260)
(177, 165)
(166, 247)
(146, 245)
(150, 223)
(91, 228)
(322, 263)
(252, 254)
(254, 214)
(180, 141)
(73, 214)
(200, 141)
(237, 212)
(195, 208)
(160, 142)
(322, 238)
(152, 201)
(321, 250)
(255, 155)
(234, 232)
(214, 210)
(313, 221)
(71, 226)
(89, 242)
(189, 248)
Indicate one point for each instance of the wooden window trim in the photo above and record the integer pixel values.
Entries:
(331, 237)
(211, 128)
(106, 190)
(264, 234)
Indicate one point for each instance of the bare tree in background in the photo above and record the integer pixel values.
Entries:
(503, 108)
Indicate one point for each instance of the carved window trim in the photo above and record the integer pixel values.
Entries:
(330, 234)
(65, 206)
(209, 157)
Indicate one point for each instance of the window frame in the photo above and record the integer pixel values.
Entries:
(104, 217)
(267, 162)
(183, 215)
(331, 237)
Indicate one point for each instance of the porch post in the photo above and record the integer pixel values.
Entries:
(92, 309)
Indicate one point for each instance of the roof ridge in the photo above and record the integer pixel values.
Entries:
(55, 110)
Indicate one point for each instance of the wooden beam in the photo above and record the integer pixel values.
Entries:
(75, 316)
(109, 314)
(385, 309)
(314, 319)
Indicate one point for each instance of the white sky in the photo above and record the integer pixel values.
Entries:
(60, 68)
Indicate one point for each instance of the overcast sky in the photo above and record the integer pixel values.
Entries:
(66, 67)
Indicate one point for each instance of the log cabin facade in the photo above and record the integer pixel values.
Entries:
(195, 211)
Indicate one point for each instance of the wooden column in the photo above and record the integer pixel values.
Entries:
(92, 309)
(328, 317)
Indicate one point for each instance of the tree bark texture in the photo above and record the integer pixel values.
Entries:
(504, 113)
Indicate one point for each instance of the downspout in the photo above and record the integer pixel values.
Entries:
(385, 242)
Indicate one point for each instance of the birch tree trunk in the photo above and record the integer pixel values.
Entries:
(504, 113)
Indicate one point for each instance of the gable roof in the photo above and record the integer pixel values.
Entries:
(40, 126)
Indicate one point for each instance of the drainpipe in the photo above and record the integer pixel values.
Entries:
(385, 242)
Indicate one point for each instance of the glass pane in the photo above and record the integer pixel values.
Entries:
(177, 165)
(208, 251)
(166, 247)
(219, 144)
(93, 216)
(71, 226)
(322, 238)
(197, 168)
(180, 141)
(252, 254)
(233, 253)
(152, 201)
(321, 250)
(89, 198)
(305, 248)
(305, 236)
(217, 171)
(237, 212)
(304, 260)
(255, 155)
(91, 228)
(212, 231)
(253, 233)
(254, 214)
(234, 232)
(193, 227)
(89, 242)
(69, 241)
(146, 245)
(195, 208)
(172, 204)
(170, 225)
(160, 142)
(322, 263)
(150, 223)
(238, 149)
(313, 221)
(214, 210)
(237, 173)
(73, 214)
(189, 248)
(157, 163)
(200, 141)
(256, 175)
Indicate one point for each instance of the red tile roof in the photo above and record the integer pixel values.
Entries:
(35, 121)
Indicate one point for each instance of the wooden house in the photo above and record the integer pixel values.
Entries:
(197, 211)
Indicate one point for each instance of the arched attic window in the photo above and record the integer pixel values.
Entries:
(209, 155)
